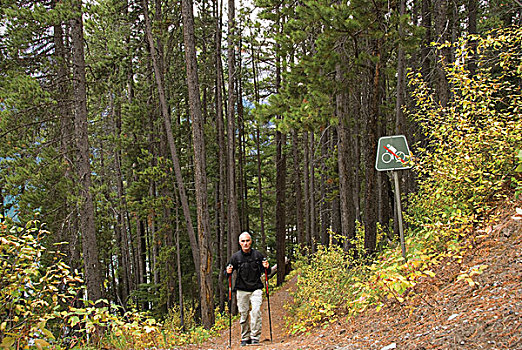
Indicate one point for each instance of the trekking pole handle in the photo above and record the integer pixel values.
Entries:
(266, 278)
(229, 284)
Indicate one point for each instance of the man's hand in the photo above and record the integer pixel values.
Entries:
(230, 268)
(265, 263)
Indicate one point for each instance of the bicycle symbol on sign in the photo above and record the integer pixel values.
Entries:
(392, 153)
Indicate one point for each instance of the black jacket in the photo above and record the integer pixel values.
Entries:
(249, 267)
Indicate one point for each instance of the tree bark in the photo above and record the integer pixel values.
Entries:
(442, 30)
(324, 211)
(400, 122)
(426, 49)
(280, 205)
(371, 204)
(222, 176)
(93, 271)
(233, 214)
(260, 191)
(69, 227)
(345, 161)
(200, 177)
(306, 175)
(472, 29)
(180, 285)
(298, 192)
(311, 195)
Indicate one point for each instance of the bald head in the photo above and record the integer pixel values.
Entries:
(245, 241)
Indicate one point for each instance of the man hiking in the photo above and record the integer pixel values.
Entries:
(249, 264)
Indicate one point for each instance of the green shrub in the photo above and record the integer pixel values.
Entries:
(469, 161)
(31, 294)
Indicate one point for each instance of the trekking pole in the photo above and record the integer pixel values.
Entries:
(268, 300)
(230, 310)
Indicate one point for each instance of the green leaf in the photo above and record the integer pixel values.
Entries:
(74, 321)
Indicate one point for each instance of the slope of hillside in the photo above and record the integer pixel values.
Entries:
(448, 311)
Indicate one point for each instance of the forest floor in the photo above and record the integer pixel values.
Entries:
(446, 313)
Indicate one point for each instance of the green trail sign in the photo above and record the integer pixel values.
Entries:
(393, 153)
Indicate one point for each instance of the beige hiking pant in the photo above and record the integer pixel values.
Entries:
(250, 320)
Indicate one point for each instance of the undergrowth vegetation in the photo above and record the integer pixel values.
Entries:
(471, 159)
(41, 307)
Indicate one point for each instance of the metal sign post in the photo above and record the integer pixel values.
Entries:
(393, 154)
(399, 212)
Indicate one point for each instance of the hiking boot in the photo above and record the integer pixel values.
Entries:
(246, 342)
(254, 341)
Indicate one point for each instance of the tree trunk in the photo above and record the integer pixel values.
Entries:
(298, 192)
(233, 214)
(243, 191)
(371, 199)
(93, 271)
(306, 175)
(345, 161)
(120, 227)
(180, 285)
(258, 153)
(336, 200)
(311, 195)
(442, 30)
(280, 205)
(200, 176)
(260, 191)
(324, 212)
(222, 176)
(426, 50)
(400, 121)
(472, 29)
(69, 228)
(170, 137)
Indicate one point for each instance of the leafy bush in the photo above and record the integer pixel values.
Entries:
(37, 309)
(469, 161)
(319, 292)
(30, 293)
(140, 331)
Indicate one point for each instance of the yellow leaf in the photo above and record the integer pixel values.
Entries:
(40, 343)
(429, 273)
(7, 342)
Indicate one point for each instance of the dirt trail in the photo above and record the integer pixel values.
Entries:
(448, 314)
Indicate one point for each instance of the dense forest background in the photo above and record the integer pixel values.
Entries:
(149, 134)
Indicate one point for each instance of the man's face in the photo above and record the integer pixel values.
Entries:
(246, 242)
